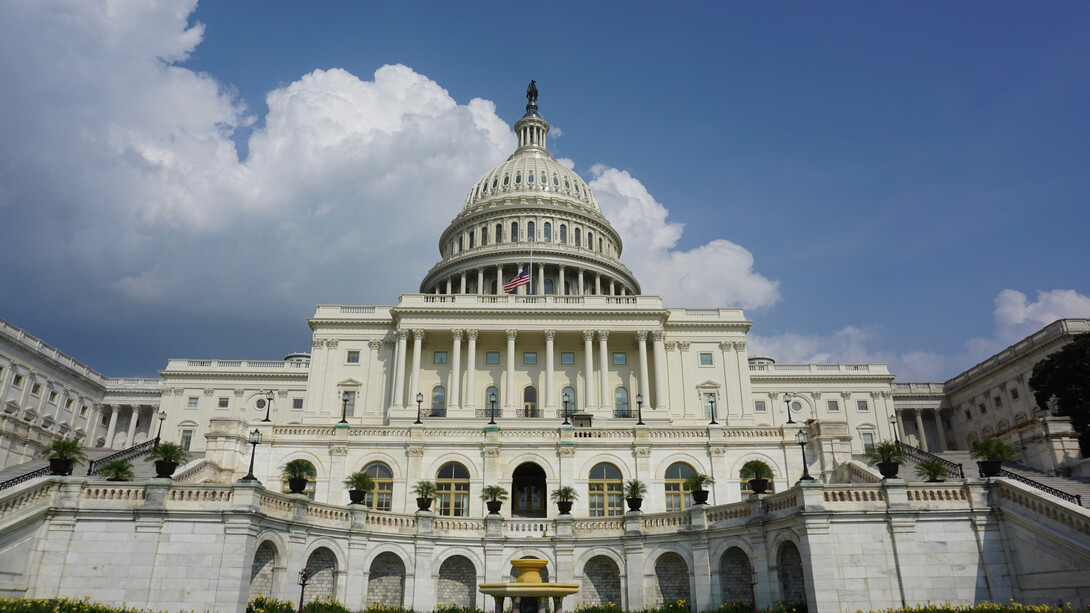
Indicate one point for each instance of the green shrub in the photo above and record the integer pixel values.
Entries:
(328, 604)
(453, 608)
(262, 604)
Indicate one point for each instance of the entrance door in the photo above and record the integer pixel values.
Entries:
(528, 486)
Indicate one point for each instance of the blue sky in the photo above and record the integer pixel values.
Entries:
(897, 182)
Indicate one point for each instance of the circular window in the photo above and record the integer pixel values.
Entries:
(796, 406)
(261, 403)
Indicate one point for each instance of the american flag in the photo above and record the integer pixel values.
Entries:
(522, 279)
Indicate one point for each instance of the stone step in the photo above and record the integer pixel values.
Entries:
(1068, 485)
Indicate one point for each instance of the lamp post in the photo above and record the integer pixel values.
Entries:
(162, 418)
(268, 405)
(344, 407)
(567, 403)
(639, 409)
(711, 401)
(419, 401)
(255, 440)
(893, 425)
(303, 576)
(787, 400)
(802, 437)
(492, 408)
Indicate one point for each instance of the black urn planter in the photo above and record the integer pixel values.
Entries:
(634, 504)
(888, 469)
(564, 506)
(990, 468)
(297, 485)
(356, 496)
(60, 466)
(759, 486)
(700, 496)
(494, 506)
(423, 504)
(164, 470)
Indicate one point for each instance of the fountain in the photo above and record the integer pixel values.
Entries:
(529, 585)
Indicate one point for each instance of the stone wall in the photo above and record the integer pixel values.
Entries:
(457, 582)
(386, 581)
(261, 573)
(671, 579)
(322, 568)
(735, 575)
(792, 582)
(601, 582)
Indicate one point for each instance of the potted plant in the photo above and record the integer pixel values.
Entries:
(116, 470)
(990, 454)
(888, 457)
(695, 484)
(167, 457)
(634, 489)
(758, 474)
(425, 493)
(564, 496)
(932, 471)
(493, 495)
(359, 486)
(298, 472)
(63, 453)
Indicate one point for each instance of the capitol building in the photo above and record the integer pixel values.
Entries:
(531, 359)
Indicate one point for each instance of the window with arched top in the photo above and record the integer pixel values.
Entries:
(599, 244)
(548, 286)
(472, 239)
(452, 490)
(971, 438)
(604, 489)
(438, 401)
(590, 240)
(563, 234)
(490, 394)
(567, 400)
(747, 474)
(459, 244)
(577, 237)
(677, 495)
(484, 235)
(620, 403)
(986, 432)
(514, 231)
(529, 402)
(381, 498)
(1019, 418)
(311, 484)
(530, 177)
(1002, 425)
(548, 229)
(506, 180)
(530, 236)
(499, 233)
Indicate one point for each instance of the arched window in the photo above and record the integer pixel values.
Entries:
(677, 495)
(563, 234)
(1002, 425)
(530, 236)
(530, 178)
(604, 490)
(452, 490)
(499, 233)
(438, 401)
(590, 240)
(308, 492)
(620, 403)
(599, 244)
(381, 498)
(518, 178)
(472, 239)
(460, 244)
(746, 475)
(492, 392)
(577, 237)
(567, 400)
(548, 286)
(548, 227)
(514, 231)
(484, 235)
(529, 402)
(506, 180)
(971, 438)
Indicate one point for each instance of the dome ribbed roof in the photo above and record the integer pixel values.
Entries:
(533, 172)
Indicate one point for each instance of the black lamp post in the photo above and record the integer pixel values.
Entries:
(268, 405)
(162, 418)
(787, 400)
(255, 440)
(567, 403)
(711, 401)
(492, 408)
(303, 576)
(802, 438)
(419, 401)
(893, 425)
(639, 409)
(344, 407)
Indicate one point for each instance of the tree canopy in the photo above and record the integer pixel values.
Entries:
(1062, 382)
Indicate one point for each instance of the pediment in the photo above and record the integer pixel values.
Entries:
(350, 382)
(708, 385)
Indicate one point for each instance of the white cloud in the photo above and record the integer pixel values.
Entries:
(650, 250)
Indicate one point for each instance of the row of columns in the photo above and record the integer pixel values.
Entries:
(459, 281)
(509, 399)
(921, 435)
(134, 419)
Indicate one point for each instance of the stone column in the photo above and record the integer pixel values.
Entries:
(448, 286)
(581, 287)
(112, 429)
(939, 429)
(597, 284)
(77, 402)
(455, 370)
(399, 371)
(588, 373)
(603, 360)
(499, 279)
(645, 385)
(540, 280)
(560, 290)
(509, 393)
(471, 370)
(611, 287)
(94, 417)
(463, 289)
(919, 430)
(134, 417)
(550, 401)
(480, 280)
(418, 347)
(522, 290)
(661, 393)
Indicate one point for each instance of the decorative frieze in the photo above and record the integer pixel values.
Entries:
(239, 392)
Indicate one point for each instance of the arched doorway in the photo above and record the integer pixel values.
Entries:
(386, 581)
(735, 576)
(601, 582)
(457, 582)
(528, 486)
(322, 569)
(792, 583)
(671, 579)
(261, 572)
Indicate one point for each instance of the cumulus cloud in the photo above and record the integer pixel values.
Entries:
(678, 275)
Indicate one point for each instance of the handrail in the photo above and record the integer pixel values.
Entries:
(34, 474)
(132, 452)
(1075, 498)
(919, 455)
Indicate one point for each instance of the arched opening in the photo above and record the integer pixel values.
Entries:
(548, 286)
(604, 490)
(386, 581)
(529, 487)
(620, 403)
(381, 499)
(514, 231)
(530, 235)
(563, 234)
(567, 401)
(677, 495)
(601, 582)
(671, 579)
(452, 483)
(548, 228)
(735, 576)
(577, 237)
(310, 488)
(322, 570)
(261, 572)
(457, 582)
(438, 401)
(499, 233)
(746, 475)
(792, 583)
(529, 402)
(489, 406)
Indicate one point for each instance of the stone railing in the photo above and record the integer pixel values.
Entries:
(854, 472)
(666, 522)
(199, 470)
(182, 364)
(845, 369)
(1022, 500)
(21, 337)
(459, 524)
(520, 527)
(601, 526)
(854, 494)
(20, 499)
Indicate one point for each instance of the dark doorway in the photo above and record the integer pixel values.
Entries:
(528, 486)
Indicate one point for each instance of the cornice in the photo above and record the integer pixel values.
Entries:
(775, 378)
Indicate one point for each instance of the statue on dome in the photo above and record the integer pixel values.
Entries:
(531, 92)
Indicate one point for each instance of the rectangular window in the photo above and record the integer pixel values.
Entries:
(1014, 393)
(353, 357)
(620, 358)
(187, 439)
(833, 405)
(83, 411)
(192, 402)
(983, 409)
(759, 406)
(296, 403)
(439, 357)
(567, 358)
(709, 405)
(350, 406)
(222, 403)
(52, 396)
(17, 381)
(37, 389)
(868, 441)
(529, 358)
(492, 357)
(706, 359)
(68, 404)
(861, 405)
(998, 401)
(968, 415)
